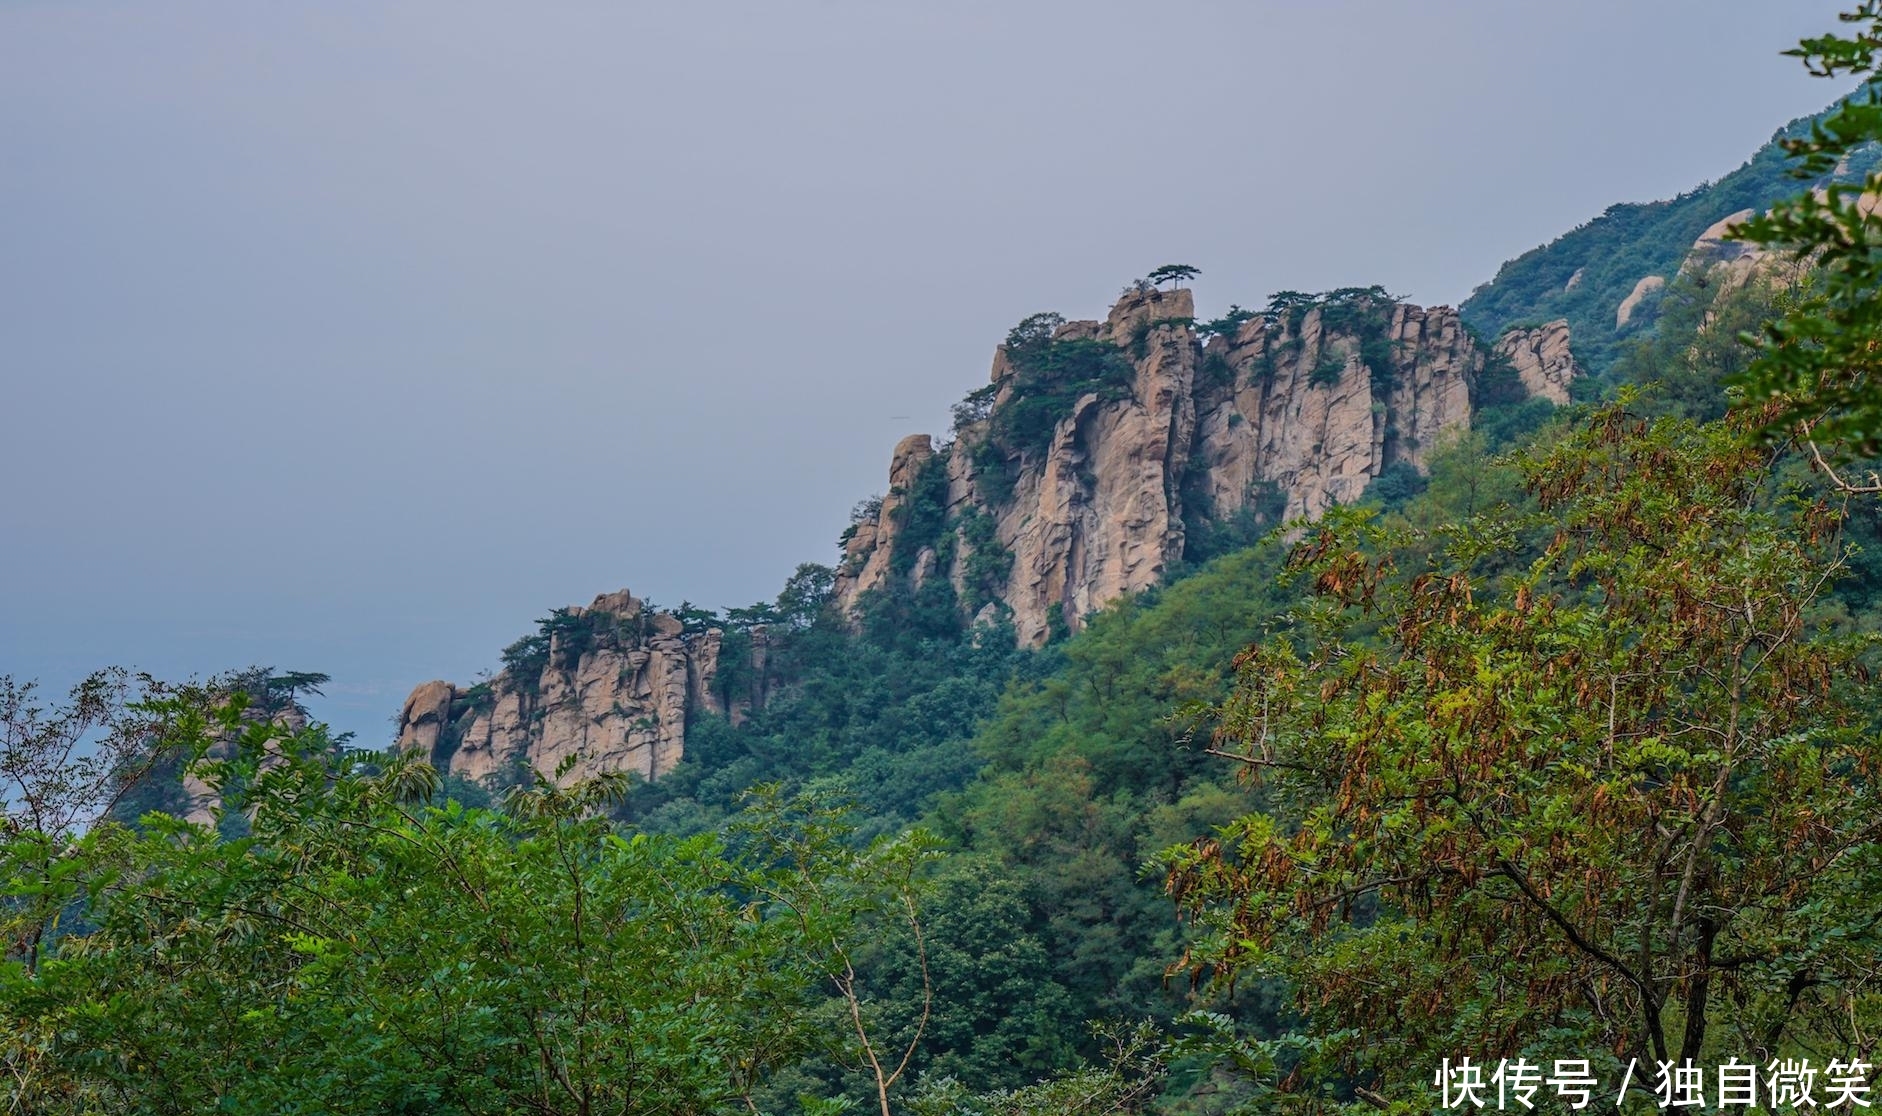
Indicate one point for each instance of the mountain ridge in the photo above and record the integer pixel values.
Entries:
(1104, 454)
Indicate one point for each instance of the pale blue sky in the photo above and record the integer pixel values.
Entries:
(353, 337)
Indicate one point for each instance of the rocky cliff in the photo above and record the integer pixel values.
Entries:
(1542, 359)
(608, 687)
(1074, 477)
(1160, 422)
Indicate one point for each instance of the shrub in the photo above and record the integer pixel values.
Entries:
(993, 473)
(921, 517)
(1050, 376)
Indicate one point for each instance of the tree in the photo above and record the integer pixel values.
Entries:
(828, 890)
(1820, 364)
(1034, 331)
(806, 595)
(62, 772)
(362, 951)
(1173, 274)
(1618, 804)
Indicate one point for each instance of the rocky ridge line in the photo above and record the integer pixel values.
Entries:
(1299, 410)
(609, 688)
(1278, 415)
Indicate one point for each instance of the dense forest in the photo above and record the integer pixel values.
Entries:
(1562, 748)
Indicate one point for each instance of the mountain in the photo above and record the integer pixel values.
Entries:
(1100, 446)
(1101, 457)
(607, 687)
(1604, 276)
(1031, 644)
(1104, 457)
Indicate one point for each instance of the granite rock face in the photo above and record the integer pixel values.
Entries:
(608, 687)
(1162, 429)
(1646, 287)
(1284, 414)
(1542, 359)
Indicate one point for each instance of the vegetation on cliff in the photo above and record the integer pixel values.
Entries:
(1560, 744)
(1584, 275)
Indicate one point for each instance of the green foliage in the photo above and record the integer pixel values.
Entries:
(995, 473)
(362, 952)
(1498, 385)
(1818, 364)
(866, 510)
(1087, 774)
(1228, 325)
(1135, 1066)
(1143, 331)
(1395, 484)
(1033, 332)
(1209, 534)
(480, 696)
(1626, 243)
(974, 407)
(804, 602)
(997, 1018)
(1701, 343)
(693, 620)
(883, 717)
(1509, 425)
(1050, 376)
(989, 563)
(1174, 274)
(1355, 321)
(902, 615)
(286, 687)
(1539, 670)
(1290, 307)
(1215, 370)
(65, 772)
(1527, 799)
(921, 516)
(526, 659)
(1501, 407)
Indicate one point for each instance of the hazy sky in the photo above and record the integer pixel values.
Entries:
(353, 337)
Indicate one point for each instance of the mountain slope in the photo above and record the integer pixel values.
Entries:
(1588, 274)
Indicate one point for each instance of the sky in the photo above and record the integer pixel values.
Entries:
(353, 337)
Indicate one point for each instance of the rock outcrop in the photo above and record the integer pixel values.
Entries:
(1282, 414)
(608, 687)
(1648, 284)
(1075, 478)
(1542, 359)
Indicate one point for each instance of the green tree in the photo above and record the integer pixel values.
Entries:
(63, 770)
(1621, 800)
(829, 891)
(1820, 362)
(360, 951)
(1173, 274)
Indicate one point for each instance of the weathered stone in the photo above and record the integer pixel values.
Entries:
(424, 717)
(1624, 313)
(1542, 359)
(1100, 513)
(618, 701)
(866, 559)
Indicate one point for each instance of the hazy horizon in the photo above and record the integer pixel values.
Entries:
(351, 338)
